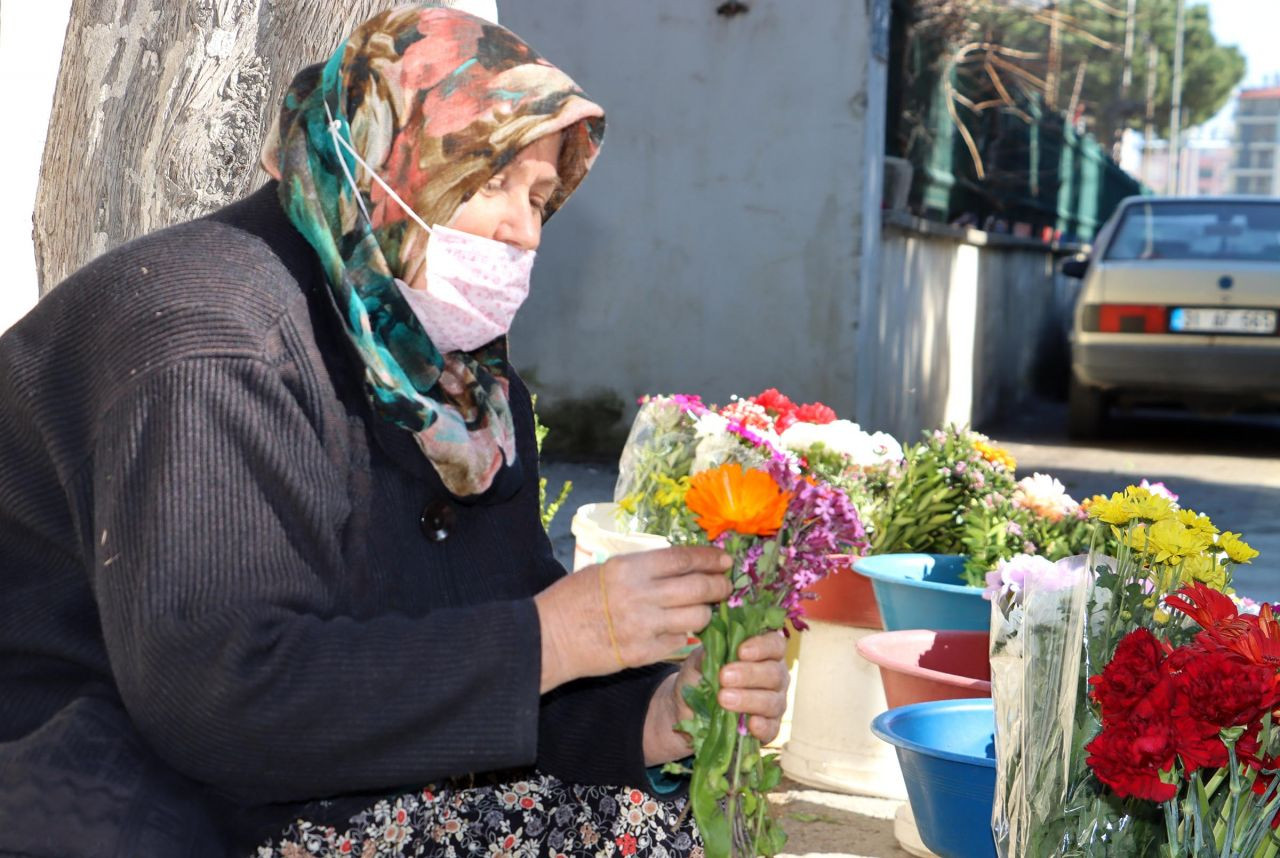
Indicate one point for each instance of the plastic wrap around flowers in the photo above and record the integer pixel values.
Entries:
(1135, 707)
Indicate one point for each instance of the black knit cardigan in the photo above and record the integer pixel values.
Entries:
(218, 606)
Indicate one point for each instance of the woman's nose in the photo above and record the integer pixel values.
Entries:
(521, 226)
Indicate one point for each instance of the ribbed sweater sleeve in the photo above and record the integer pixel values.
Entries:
(214, 503)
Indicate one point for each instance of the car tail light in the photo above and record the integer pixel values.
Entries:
(1126, 318)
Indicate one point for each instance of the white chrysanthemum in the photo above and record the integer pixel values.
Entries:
(845, 438)
(1045, 496)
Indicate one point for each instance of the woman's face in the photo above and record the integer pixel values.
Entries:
(509, 208)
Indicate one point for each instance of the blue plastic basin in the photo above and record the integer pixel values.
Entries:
(946, 749)
(925, 591)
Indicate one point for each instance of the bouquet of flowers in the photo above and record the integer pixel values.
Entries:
(770, 482)
(1145, 550)
(1193, 727)
(1035, 648)
(958, 494)
(785, 532)
(675, 437)
(1039, 518)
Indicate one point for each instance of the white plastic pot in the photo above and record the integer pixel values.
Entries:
(838, 693)
(597, 536)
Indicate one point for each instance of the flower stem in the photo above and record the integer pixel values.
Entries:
(731, 806)
(1234, 802)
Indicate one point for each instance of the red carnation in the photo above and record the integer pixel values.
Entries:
(1220, 687)
(779, 407)
(1130, 756)
(815, 412)
(1132, 672)
(775, 401)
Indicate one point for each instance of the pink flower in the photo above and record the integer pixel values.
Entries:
(1012, 577)
(1159, 489)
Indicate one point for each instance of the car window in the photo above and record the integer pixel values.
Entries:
(1198, 230)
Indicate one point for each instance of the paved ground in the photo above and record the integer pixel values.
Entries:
(1228, 468)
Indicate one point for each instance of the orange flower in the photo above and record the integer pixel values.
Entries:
(996, 455)
(732, 498)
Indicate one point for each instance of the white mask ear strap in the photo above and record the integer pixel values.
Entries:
(335, 131)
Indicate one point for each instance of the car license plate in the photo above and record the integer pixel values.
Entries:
(1221, 320)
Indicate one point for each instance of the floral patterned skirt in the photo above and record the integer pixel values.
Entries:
(539, 815)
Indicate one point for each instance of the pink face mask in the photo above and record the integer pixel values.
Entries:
(475, 285)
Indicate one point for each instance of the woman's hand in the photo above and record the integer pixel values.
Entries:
(754, 685)
(631, 610)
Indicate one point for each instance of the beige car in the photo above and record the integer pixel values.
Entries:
(1179, 305)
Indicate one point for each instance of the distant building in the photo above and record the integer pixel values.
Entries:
(1257, 166)
(1205, 169)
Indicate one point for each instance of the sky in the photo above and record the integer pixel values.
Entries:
(1253, 26)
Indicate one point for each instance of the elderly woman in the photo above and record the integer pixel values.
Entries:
(269, 523)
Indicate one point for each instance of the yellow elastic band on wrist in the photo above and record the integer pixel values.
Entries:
(608, 620)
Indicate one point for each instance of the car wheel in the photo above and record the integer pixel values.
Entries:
(1086, 409)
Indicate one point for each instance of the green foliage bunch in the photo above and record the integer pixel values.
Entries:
(944, 480)
(548, 510)
(958, 494)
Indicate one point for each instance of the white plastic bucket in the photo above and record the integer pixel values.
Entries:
(597, 536)
(838, 692)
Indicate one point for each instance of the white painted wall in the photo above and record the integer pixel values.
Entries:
(958, 326)
(31, 35)
(718, 244)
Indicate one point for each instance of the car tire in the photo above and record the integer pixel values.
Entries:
(1086, 409)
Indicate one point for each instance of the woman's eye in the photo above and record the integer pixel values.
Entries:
(493, 185)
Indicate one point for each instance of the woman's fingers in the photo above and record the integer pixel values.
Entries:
(681, 560)
(770, 676)
(686, 621)
(764, 729)
(770, 646)
(699, 588)
(756, 684)
(767, 703)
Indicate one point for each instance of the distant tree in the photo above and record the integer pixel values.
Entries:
(1092, 34)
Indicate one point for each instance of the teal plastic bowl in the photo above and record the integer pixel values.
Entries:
(946, 749)
(925, 591)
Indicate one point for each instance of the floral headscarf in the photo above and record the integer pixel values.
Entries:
(436, 101)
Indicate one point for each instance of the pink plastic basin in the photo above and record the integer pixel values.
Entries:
(917, 665)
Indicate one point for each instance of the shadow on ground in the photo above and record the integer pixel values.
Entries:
(1149, 431)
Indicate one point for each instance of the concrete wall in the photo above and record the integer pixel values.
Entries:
(718, 245)
(960, 326)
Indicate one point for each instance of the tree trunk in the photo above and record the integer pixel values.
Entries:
(160, 111)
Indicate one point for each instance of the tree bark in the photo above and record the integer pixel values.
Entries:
(160, 111)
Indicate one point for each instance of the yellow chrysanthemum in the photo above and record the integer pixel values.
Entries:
(1112, 510)
(1196, 521)
(1143, 504)
(996, 455)
(1205, 569)
(672, 491)
(1238, 551)
(1168, 541)
(1135, 539)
